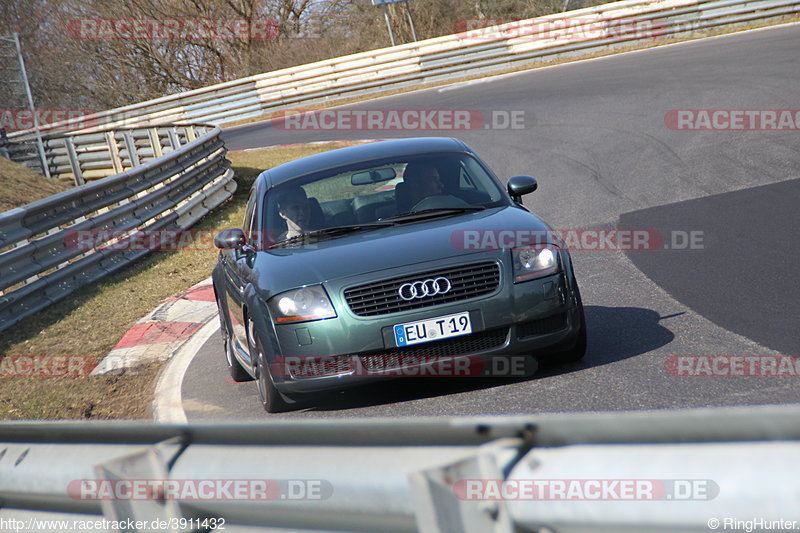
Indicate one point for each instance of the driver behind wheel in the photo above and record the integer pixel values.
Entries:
(423, 181)
(423, 188)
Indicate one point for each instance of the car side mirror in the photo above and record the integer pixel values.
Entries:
(230, 239)
(519, 186)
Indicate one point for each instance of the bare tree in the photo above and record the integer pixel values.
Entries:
(72, 68)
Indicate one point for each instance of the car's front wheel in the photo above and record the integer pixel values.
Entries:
(271, 399)
(578, 349)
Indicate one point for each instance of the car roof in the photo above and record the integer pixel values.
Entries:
(362, 152)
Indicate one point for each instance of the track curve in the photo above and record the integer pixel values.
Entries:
(596, 139)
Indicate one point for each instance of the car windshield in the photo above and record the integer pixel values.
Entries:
(361, 196)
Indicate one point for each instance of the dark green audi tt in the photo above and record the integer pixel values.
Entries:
(394, 258)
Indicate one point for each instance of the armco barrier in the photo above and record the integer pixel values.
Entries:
(411, 474)
(37, 262)
(89, 156)
(434, 60)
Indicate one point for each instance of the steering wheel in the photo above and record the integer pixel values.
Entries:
(438, 201)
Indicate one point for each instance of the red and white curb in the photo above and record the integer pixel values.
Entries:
(168, 401)
(160, 334)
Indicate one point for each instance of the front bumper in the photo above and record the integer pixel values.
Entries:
(516, 319)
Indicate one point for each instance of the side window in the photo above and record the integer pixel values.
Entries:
(249, 216)
(479, 180)
(465, 181)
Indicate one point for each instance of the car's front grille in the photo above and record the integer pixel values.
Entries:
(542, 326)
(467, 281)
(395, 358)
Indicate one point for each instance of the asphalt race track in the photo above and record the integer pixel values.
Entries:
(595, 138)
(749, 287)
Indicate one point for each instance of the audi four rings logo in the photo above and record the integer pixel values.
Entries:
(421, 289)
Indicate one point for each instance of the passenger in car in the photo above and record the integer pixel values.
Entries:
(295, 208)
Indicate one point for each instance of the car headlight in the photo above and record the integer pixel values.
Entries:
(534, 262)
(300, 305)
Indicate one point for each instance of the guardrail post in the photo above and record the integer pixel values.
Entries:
(174, 140)
(155, 142)
(39, 143)
(73, 161)
(190, 136)
(130, 145)
(4, 144)
(436, 502)
(113, 152)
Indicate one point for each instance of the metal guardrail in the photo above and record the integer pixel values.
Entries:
(510, 45)
(410, 474)
(39, 259)
(85, 157)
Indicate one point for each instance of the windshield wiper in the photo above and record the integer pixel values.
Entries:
(433, 212)
(336, 230)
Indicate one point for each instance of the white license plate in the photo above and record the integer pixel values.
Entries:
(433, 329)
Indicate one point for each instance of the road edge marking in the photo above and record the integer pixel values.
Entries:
(168, 401)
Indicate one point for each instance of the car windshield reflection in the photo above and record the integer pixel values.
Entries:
(362, 197)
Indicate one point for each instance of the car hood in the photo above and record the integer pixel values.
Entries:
(284, 268)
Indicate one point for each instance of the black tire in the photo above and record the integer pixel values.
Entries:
(576, 352)
(271, 400)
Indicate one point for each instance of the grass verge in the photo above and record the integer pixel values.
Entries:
(93, 319)
(20, 185)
